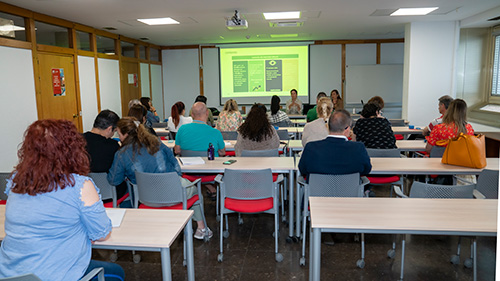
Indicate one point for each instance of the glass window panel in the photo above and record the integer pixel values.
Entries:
(50, 34)
(142, 52)
(154, 54)
(495, 87)
(127, 49)
(12, 27)
(105, 45)
(83, 41)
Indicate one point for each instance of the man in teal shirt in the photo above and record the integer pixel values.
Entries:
(198, 135)
(312, 114)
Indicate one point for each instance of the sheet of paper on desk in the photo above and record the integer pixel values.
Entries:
(192, 160)
(116, 216)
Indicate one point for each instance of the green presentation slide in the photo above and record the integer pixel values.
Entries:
(255, 72)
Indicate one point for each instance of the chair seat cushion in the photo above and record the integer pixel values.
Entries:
(275, 176)
(190, 203)
(231, 153)
(248, 206)
(118, 202)
(3, 202)
(204, 178)
(384, 179)
(399, 137)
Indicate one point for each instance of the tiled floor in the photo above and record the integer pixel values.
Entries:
(249, 255)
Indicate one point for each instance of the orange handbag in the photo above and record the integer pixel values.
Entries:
(464, 150)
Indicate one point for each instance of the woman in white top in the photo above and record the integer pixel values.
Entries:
(318, 129)
(293, 105)
(177, 117)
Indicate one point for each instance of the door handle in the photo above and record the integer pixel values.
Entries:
(75, 115)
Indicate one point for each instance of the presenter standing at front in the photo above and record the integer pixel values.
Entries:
(293, 105)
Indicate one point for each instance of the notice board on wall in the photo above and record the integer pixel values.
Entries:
(366, 81)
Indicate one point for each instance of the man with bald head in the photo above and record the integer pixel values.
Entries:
(335, 155)
(198, 135)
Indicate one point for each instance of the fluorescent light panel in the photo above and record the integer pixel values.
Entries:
(158, 21)
(282, 15)
(8, 28)
(413, 11)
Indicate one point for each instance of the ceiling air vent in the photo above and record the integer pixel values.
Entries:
(286, 23)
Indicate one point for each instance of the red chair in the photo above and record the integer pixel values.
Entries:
(248, 191)
(385, 179)
(3, 185)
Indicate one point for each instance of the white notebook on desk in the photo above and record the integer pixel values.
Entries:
(116, 216)
(192, 160)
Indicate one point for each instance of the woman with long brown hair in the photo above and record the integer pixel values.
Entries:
(53, 211)
(454, 123)
(256, 133)
(144, 152)
(177, 117)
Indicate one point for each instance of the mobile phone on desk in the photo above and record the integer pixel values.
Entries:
(228, 162)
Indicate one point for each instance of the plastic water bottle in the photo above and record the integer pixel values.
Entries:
(210, 152)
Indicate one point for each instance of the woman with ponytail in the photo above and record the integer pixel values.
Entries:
(177, 117)
(318, 129)
(144, 152)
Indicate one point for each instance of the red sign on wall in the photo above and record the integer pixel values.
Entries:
(58, 83)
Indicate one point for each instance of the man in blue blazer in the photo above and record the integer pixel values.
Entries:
(336, 154)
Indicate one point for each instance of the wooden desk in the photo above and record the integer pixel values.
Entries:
(299, 122)
(146, 230)
(406, 130)
(283, 165)
(467, 217)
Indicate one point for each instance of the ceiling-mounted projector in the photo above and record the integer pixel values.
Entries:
(235, 22)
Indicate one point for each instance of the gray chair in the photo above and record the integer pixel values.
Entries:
(425, 190)
(487, 185)
(283, 135)
(437, 151)
(397, 122)
(285, 123)
(164, 190)
(248, 191)
(107, 190)
(159, 125)
(350, 185)
(279, 179)
(386, 179)
(99, 272)
(229, 135)
(3, 185)
(193, 153)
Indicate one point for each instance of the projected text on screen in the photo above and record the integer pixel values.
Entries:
(263, 72)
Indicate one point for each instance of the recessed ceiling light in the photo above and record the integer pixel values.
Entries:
(282, 15)
(413, 11)
(284, 35)
(158, 21)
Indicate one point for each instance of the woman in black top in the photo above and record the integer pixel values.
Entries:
(373, 131)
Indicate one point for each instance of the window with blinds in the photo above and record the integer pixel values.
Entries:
(495, 87)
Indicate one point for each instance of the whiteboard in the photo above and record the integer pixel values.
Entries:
(366, 81)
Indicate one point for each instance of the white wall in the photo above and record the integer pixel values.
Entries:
(109, 85)
(16, 80)
(88, 91)
(325, 70)
(145, 90)
(211, 86)
(157, 91)
(430, 49)
(181, 78)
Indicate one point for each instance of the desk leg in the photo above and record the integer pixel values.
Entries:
(166, 270)
(316, 255)
(298, 207)
(188, 232)
(474, 257)
(290, 203)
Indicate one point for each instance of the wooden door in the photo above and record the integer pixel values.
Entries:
(58, 97)
(130, 83)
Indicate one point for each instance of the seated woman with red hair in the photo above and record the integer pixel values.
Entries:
(54, 210)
